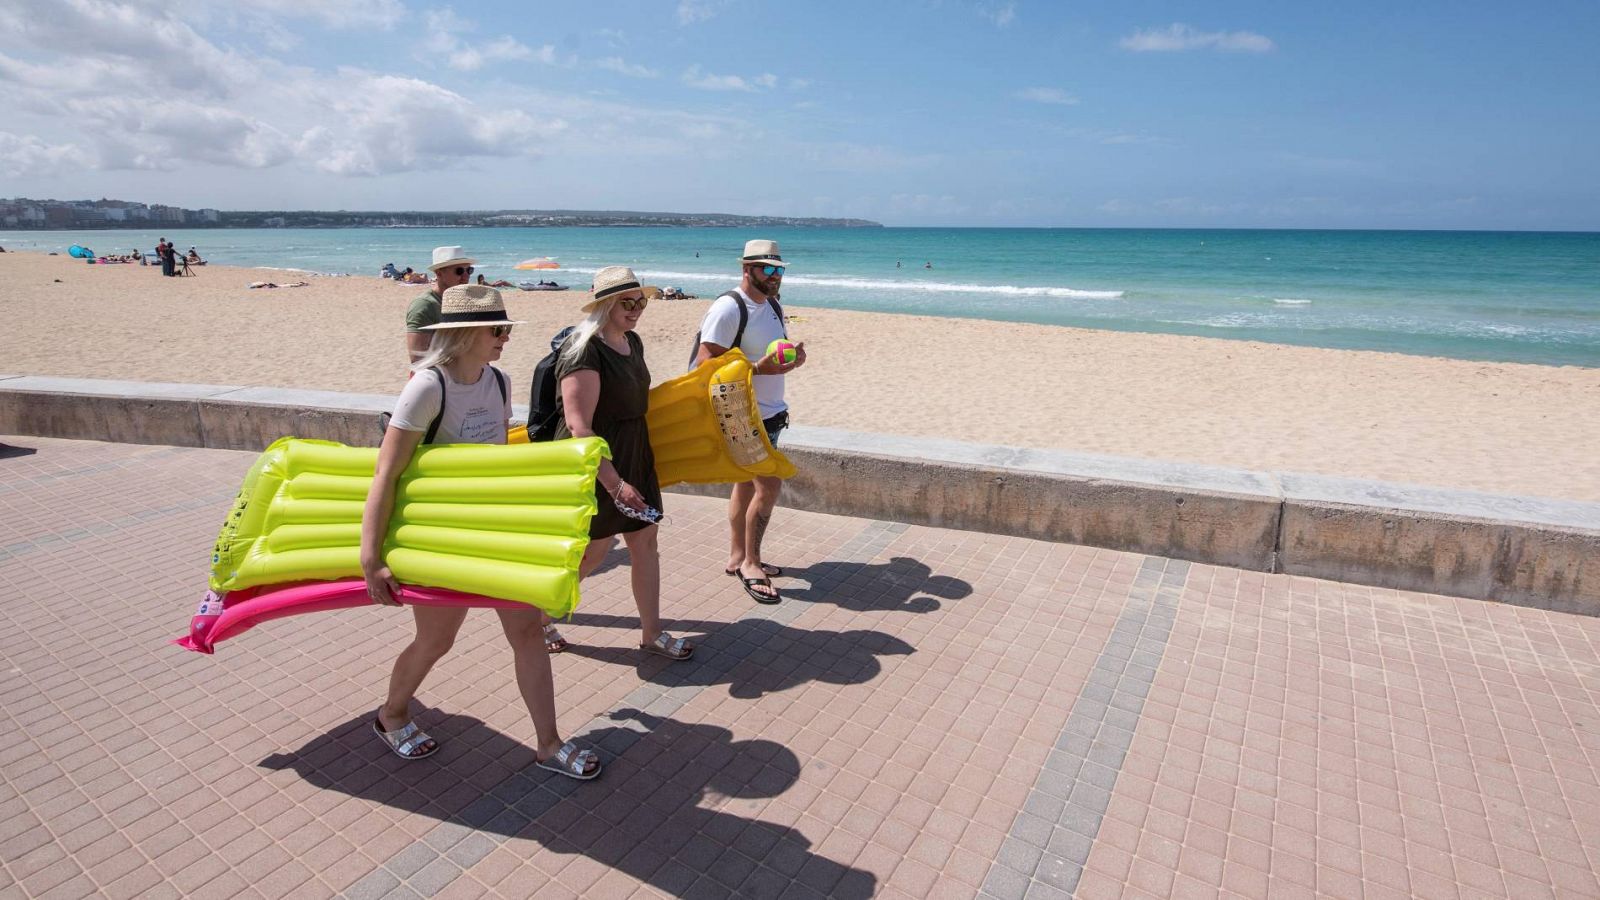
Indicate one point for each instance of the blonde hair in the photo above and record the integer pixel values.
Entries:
(584, 331)
(447, 346)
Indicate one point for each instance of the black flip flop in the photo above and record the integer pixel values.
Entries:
(768, 569)
(757, 596)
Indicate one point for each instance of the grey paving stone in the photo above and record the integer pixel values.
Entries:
(1006, 884)
(1032, 829)
(1019, 856)
(1070, 846)
(372, 886)
(1058, 873)
(434, 877)
(410, 860)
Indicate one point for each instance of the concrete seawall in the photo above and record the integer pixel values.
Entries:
(1527, 551)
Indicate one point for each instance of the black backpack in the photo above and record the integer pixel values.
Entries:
(744, 319)
(433, 427)
(544, 405)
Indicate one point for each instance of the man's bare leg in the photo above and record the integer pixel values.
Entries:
(764, 490)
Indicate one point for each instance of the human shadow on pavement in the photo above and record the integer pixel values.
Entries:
(9, 451)
(655, 813)
(753, 657)
(902, 584)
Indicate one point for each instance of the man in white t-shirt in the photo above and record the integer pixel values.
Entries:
(750, 507)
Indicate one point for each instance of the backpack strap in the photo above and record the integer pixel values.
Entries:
(744, 318)
(779, 310)
(433, 427)
(738, 336)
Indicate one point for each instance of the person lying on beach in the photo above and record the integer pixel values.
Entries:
(502, 283)
(194, 258)
(269, 284)
(457, 390)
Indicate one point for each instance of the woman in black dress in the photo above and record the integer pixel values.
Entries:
(605, 388)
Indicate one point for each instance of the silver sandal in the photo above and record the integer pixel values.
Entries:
(553, 641)
(406, 740)
(669, 646)
(572, 762)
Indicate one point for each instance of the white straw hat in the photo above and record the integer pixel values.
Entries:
(761, 253)
(471, 306)
(450, 256)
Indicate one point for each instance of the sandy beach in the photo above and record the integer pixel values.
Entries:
(1505, 428)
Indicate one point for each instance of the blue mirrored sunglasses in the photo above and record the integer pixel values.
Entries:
(770, 271)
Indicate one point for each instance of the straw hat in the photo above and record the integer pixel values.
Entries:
(471, 306)
(450, 256)
(761, 253)
(614, 280)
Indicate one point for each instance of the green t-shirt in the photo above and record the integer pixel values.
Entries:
(422, 312)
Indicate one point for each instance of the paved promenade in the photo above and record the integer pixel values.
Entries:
(928, 713)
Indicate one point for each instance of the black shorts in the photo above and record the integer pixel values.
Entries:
(775, 426)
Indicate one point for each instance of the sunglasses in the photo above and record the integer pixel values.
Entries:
(633, 304)
(500, 331)
(770, 271)
(464, 271)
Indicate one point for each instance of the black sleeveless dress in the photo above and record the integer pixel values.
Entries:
(619, 418)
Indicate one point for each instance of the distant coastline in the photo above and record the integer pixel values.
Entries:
(59, 215)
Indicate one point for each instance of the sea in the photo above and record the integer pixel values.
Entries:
(1530, 297)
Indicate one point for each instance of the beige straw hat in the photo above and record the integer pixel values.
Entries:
(761, 253)
(614, 280)
(471, 306)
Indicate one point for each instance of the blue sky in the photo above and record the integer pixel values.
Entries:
(939, 112)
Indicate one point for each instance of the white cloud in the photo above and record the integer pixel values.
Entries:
(1050, 95)
(388, 123)
(1001, 14)
(26, 155)
(622, 66)
(384, 14)
(1178, 36)
(706, 81)
(799, 84)
(227, 108)
(164, 51)
(448, 40)
(692, 11)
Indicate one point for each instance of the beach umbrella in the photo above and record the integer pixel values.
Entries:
(543, 262)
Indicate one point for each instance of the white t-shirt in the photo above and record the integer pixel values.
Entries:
(475, 413)
(720, 325)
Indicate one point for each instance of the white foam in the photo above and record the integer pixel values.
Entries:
(1290, 301)
(873, 284)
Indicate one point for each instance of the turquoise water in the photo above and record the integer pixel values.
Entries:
(1513, 296)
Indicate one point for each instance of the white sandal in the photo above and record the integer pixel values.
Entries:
(553, 641)
(669, 646)
(406, 740)
(572, 762)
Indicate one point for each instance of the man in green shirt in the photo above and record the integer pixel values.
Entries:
(451, 266)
